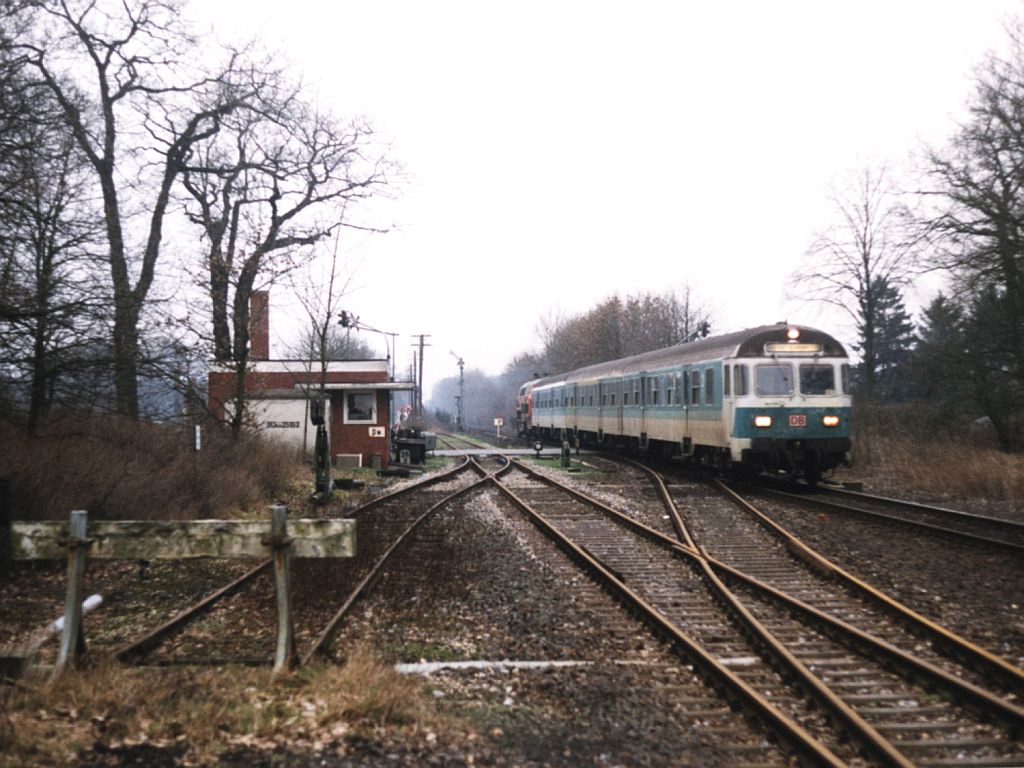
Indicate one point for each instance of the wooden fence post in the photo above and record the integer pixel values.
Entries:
(72, 641)
(285, 656)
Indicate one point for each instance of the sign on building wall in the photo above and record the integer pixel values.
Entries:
(286, 420)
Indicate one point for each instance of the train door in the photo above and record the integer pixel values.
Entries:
(687, 441)
(728, 403)
(644, 397)
(620, 391)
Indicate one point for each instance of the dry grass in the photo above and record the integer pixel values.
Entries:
(917, 452)
(206, 711)
(117, 468)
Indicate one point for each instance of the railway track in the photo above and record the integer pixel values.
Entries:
(824, 664)
(234, 624)
(950, 523)
(880, 700)
(460, 442)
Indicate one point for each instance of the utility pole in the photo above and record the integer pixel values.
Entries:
(461, 399)
(419, 383)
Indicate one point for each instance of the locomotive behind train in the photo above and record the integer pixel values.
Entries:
(773, 398)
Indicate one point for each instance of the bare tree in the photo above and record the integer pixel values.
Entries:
(136, 118)
(976, 222)
(49, 311)
(616, 328)
(279, 178)
(867, 248)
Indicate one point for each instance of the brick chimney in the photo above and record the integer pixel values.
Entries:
(259, 326)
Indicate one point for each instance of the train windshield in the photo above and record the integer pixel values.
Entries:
(774, 379)
(817, 380)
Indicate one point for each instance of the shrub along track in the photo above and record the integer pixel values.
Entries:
(833, 661)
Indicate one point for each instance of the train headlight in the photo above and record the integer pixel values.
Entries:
(762, 422)
(830, 421)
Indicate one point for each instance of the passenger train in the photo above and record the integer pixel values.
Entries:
(773, 398)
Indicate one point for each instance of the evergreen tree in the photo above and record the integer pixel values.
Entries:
(992, 354)
(885, 325)
(940, 368)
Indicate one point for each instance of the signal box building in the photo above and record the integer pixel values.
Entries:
(278, 394)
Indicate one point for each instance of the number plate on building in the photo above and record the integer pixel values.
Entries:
(797, 420)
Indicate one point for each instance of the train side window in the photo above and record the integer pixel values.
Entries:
(844, 374)
(742, 380)
(695, 388)
(726, 380)
(654, 391)
(686, 387)
(670, 391)
(709, 386)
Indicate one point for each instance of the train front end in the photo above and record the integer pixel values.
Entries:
(792, 410)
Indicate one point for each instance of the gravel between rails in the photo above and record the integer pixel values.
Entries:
(486, 585)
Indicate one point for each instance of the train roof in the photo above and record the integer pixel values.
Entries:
(747, 343)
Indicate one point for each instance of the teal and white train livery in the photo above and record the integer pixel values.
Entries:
(771, 398)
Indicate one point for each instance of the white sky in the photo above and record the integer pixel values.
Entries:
(560, 152)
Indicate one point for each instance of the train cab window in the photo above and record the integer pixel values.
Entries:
(844, 374)
(817, 380)
(741, 379)
(773, 379)
(695, 388)
(726, 380)
(709, 386)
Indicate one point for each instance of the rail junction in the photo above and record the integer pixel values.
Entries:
(765, 649)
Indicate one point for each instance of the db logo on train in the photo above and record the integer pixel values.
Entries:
(797, 420)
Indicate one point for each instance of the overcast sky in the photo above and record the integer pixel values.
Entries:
(561, 152)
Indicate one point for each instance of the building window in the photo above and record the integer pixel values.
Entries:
(360, 408)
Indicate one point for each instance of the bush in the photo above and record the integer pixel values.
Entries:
(117, 468)
(922, 450)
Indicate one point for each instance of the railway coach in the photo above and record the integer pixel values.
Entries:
(770, 398)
